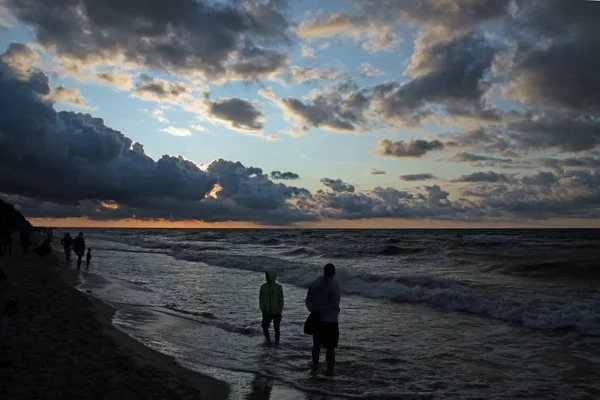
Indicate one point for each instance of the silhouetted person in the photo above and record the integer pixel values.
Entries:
(67, 243)
(88, 257)
(43, 249)
(323, 298)
(270, 300)
(25, 239)
(79, 248)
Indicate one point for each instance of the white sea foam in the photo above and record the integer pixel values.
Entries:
(539, 311)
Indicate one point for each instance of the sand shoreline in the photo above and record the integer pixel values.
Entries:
(62, 344)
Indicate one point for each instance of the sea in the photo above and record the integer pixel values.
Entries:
(425, 314)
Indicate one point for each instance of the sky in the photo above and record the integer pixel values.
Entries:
(355, 113)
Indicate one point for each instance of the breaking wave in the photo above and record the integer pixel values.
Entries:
(541, 312)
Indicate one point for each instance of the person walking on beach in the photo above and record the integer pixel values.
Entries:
(270, 300)
(67, 243)
(88, 257)
(79, 248)
(323, 299)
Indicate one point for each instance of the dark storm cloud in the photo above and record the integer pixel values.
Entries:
(555, 131)
(74, 160)
(238, 114)
(214, 39)
(489, 176)
(450, 73)
(284, 175)
(416, 177)
(337, 185)
(561, 74)
(160, 90)
(411, 149)
(322, 113)
(571, 162)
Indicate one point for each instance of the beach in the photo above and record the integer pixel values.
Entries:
(61, 344)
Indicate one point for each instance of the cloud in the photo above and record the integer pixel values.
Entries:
(370, 71)
(310, 74)
(489, 176)
(375, 171)
(21, 58)
(410, 149)
(308, 52)
(159, 115)
(73, 97)
(237, 114)
(119, 80)
(375, 37)
(284, 175)
(213, 40)
(198, 128)
(416, 177)
(174, 131)
(341, 109)
(337, 185)
(555, 64)
(160, 90)
(38, 144)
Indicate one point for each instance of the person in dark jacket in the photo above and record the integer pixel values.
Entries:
(270, 300)
(67, 243)
(79, 248)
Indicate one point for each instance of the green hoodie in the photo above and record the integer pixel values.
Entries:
(270, 298)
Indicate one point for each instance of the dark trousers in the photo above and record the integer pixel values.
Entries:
(327, 336)
(266, 323)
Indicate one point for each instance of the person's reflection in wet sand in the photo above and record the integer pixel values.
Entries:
(261, 388)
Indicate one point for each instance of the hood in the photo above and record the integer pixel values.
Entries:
(272, 275)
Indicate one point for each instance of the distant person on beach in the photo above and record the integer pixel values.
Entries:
(79, 248)
(270, 300)
(25, 239)
(323, 299)
(89, 257)
(43, 249)
(67, 243)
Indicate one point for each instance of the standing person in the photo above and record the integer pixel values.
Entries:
(79, 248)
(270, 300)
(89, 257)
(323, 299)
(67, 243)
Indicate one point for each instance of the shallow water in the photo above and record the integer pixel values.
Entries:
(425, 314)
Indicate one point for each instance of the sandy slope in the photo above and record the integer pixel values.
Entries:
(61, 345)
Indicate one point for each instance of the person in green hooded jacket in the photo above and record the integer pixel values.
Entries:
(270, 300)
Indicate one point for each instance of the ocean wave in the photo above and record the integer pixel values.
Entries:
(207, 318)
(541, 311)
(203, 314)
(301, 251)
(368, 250)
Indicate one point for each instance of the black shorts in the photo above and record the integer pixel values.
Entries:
(327, 335)
(267, 318)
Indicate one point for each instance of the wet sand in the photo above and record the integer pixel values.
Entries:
(61, 344)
